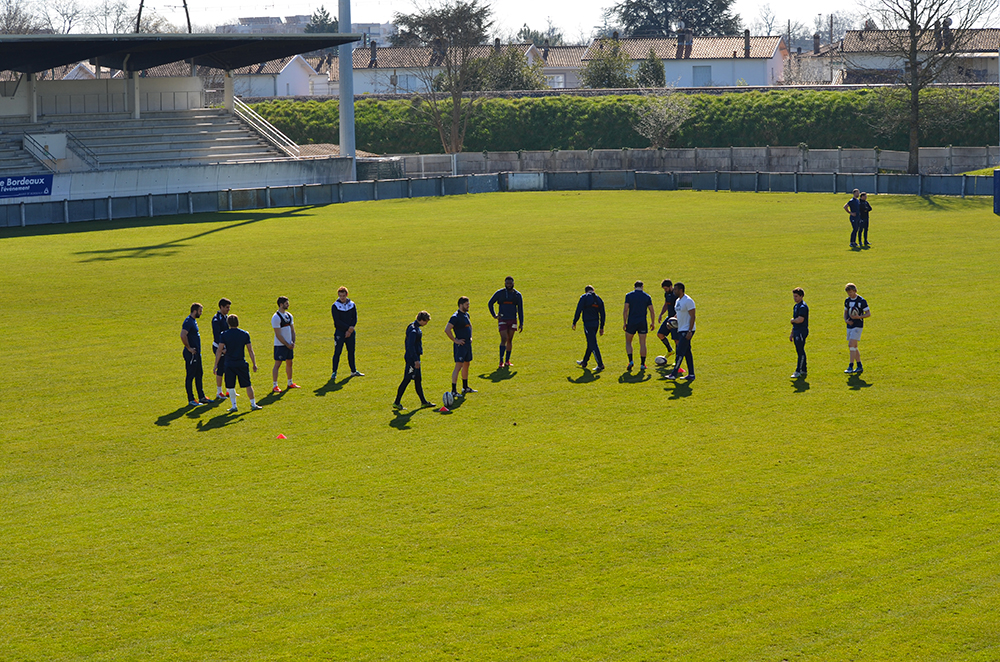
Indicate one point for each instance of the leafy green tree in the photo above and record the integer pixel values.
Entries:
(608, 67)
(321, 22)
(650, 73)
(508, 69)
(658, 18)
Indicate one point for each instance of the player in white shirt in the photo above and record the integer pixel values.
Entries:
(684, 306)
(284, 343)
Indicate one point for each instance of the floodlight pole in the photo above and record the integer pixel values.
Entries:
(346, 63)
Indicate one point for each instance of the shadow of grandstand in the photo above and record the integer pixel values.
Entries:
(168, 248)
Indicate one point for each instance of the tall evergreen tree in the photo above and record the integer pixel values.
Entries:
(658, 18)
(321, 22)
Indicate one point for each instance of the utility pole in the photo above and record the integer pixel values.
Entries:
(346, 57)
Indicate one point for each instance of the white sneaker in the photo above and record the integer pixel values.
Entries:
(254, 406)
(357, 373)
(231, 410)
(796, 375)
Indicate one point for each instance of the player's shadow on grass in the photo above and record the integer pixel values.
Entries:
(588, 377)
(169, 248)
(221, 421)
(499, 375)
(800, 385)
(198, 412)
(331, 386)
(637, 378)
(856, 383)
(272, 398)
(401, 419)
(166, 419)
(679, 389)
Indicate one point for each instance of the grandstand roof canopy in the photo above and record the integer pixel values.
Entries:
(132, 52)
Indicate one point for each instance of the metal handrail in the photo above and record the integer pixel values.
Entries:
(41, 148)
(266, 129)
(86, 154)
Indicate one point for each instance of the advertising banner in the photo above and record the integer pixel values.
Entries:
(26, 185)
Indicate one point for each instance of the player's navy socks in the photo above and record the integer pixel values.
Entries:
(503, 348)
(454, 388)
(850, 366)
(666, 343)
(859, 365)
(642, 360)
(508, 356)
(630, 358)
(465, 383)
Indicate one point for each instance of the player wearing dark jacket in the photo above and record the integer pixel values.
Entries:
(591, 308)
(345, 318)
(414, 344)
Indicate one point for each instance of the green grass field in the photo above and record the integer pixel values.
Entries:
(555, 515)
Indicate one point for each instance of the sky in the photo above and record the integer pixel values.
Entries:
(573, 17)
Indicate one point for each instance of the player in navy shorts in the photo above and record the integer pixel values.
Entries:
(459, 331)
(509, 316)
(637, 303)
(232, 343)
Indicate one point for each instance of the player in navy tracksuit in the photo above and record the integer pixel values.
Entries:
(864, 209)
(345, 318)
(414, 348)
(853, 209)
(220, 326)
(192, 356)
(510, 317)
(591, 308)
(459, 331)
(800, 331)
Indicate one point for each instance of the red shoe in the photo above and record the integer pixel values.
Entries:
(293, 385)
(508, 364)
(276, 389)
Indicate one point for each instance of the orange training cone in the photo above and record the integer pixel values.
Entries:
(281, 436)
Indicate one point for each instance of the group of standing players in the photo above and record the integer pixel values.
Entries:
(677, 317)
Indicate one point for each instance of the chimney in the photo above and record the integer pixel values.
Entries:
(746, 43)
(614, 35)
(680, 45)
(688, 42)
(373, 62)
(545, 50)
(799, 51)
(816, 44)
(496, 44)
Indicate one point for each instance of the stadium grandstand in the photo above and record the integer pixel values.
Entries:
(81, 113)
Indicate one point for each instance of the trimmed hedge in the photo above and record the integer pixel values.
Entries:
(820, 119)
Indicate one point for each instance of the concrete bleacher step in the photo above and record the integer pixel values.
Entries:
(160, 138)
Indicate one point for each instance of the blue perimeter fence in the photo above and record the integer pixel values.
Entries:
(170, 204)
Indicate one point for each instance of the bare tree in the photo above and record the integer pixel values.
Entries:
(658, 116)
(16, 17)
(841, 22)
(927, 35)
(61, 16)
(766, 22)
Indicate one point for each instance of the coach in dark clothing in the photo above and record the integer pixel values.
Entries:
(345, 318)
(414, 348)
(591, 308)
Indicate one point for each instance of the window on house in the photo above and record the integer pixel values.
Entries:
(702, 76)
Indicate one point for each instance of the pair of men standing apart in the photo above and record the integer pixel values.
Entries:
(856, 311)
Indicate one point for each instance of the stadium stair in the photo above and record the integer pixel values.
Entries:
(158, 139)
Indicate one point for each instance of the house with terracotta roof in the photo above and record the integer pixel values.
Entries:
(405, 70)
(876, 56)
(562, 65)
(690, 61)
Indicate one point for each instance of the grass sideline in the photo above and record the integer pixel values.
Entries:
(553, 516)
